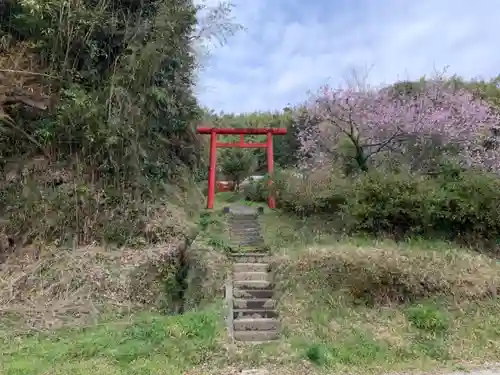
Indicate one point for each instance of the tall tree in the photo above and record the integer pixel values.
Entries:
(379, 123)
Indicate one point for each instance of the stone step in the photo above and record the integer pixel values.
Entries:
(251, 324)
(251, 267)
(253, 242)
(242, 222)
(252, 313)
(257, 248)
(248, 257)
(244, 235)
(255, 371)
(250, 275)
(252, 284)
(235, 249)
(247, 247)
(240, 216)
(253, 294)
(245, 227)
(242, 225)
(244, 245)
(255, 336)
(254, 303)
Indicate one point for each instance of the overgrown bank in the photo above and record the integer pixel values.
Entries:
(95, 136)
(357, 305)
(347, 304)
(118, 311)
(99, 158)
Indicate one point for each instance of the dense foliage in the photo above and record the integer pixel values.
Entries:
(416, 158)
(121, 96)
(97, 116)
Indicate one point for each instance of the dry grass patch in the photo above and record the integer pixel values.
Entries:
(75, 286)
(207, 275)
(378, 309)
(380, 275)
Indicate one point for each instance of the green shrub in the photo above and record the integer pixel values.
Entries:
(318, 192)
(428, 318)
(388, 203)
(256, 191)
(467, 204)
(463, 205)
(454, 204)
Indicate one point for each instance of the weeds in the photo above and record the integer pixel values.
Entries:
(141, 344)
(428, 317)
(366, 305)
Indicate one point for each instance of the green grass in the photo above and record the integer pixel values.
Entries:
(326, 329)
(144, 344)
(334, 332)
(338, 336)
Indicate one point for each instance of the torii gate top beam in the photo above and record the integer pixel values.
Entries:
(237, 131)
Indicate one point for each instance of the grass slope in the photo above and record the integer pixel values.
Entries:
(143, 344)
(360, 304)
(348, 305)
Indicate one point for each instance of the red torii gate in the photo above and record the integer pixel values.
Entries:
(241, 144)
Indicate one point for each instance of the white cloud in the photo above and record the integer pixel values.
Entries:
(291, 47)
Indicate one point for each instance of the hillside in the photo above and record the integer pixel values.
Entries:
(384, 246)
(347, 304)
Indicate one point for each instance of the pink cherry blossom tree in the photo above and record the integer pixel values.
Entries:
(377, 123)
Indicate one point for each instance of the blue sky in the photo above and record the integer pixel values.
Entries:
(292, 47)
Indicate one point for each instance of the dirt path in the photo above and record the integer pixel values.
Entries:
(306, 369)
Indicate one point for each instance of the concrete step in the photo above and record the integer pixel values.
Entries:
(245, 232)
(253, 294)
(252, 284)
(246, 237)
(254, 303)
(251, 324)
(253, 215)
(255, 248)
(248, 257)
(256, 336)
(245, 225)
(245, 228)
(244, 221)
(251, 267)
(250, 243)
(250, 276)
(237, 250)
(256, 314)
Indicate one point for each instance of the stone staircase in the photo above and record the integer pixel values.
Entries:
(253, 316)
